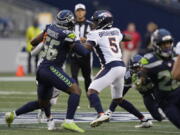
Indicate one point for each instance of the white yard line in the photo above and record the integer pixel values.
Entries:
(23, 79)
(3, 92)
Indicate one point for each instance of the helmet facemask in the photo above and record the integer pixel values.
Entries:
(66, 21)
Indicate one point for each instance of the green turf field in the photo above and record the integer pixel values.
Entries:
(15, 94)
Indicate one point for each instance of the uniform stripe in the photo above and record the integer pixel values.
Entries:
(100, 54)
(154, 64)
(61, 76)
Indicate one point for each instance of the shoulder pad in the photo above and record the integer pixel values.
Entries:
(150, 57)
(153, 61)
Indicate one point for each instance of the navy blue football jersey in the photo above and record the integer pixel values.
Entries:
(159, 70)
(131, 82)
(56, 45)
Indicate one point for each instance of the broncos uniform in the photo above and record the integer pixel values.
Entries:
(104, 40)
(106, 47)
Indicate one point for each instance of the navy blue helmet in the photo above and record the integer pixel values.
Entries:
(135, 61)
(102, 19)
(65, 19)
(160, 37)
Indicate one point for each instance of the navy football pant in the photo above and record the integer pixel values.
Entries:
(152, 106)
(171, 107)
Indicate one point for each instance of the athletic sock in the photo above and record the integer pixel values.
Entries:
(73, 102)
(131, 109)
(113, 106)
(29, 107)
(47, 111)
(96, 103)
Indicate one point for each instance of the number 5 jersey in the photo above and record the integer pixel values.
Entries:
(106, 44)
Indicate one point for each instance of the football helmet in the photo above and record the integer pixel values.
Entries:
(102, 19)
(162, 42)
(135, 61)
(65, 19)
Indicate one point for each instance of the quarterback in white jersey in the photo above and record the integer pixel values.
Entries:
(105, 40)
(176, 69)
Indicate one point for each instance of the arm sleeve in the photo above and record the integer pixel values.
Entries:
(80, 49)
(92, 37)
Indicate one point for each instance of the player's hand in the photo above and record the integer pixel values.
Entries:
(83, 39)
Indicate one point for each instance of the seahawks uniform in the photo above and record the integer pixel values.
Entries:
(167, 90)
(56, 48)
(146, 90)
(106, 46)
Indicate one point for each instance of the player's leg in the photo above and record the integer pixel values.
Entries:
(86, 71)
(101, 81)
(152, 106)
(74, 69)
(114, 104)
(31, 106)
(117, 91)
(173, 114)
(62, 81)
(55, 96)
(104, 79)
(28, 107)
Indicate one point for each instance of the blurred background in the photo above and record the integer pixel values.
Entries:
(16, 16)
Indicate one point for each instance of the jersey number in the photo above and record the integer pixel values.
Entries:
(113, 45)
(166, 83)
(50, 52)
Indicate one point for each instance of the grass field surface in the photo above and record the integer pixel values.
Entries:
(13, 94)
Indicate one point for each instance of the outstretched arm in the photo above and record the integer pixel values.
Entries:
(37, 39)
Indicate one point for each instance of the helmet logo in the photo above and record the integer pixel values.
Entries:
(105, 14)
(168, 37)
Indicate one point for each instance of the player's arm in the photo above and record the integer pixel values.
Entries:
(76, 45)
(176, 69)
(37, 49)
(37, 39)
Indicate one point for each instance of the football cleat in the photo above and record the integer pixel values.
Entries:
(9, 118)
(51, 124)
(109, 114)
(72, 126)
(100, 119)
(145, 124)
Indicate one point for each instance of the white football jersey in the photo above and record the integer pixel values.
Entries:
(106, 44)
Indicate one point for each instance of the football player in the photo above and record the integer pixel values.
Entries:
(145, 88)
(38, 50)
(158, 68)
(58, 40)
(105, 41)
